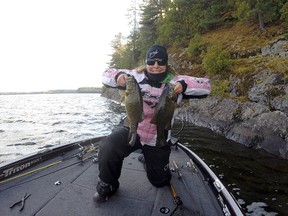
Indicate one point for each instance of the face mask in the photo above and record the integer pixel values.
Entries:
(156, 77)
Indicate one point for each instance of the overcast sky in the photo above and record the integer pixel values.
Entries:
(57, 44)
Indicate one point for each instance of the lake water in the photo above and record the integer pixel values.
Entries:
(31, 122)
(259, 181)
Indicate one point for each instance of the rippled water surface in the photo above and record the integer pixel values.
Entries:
(28, 123)
(258, 180)
(31, 122)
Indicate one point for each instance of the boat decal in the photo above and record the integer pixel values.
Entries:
(13, 170)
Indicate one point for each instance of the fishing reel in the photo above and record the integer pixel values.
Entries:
(85, 150)
(95, 158)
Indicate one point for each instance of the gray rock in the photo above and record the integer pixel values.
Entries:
(279, 47)
(265, 86)
(252, 110)
(250, 123)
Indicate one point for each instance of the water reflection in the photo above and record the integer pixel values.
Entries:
(258, 180)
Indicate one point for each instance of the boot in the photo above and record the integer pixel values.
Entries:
(103, 191)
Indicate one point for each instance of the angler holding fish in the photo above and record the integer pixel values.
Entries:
(148, 128)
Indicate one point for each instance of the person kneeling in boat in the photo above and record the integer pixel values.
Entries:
(114, 148)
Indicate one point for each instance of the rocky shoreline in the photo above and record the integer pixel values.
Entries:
(249, 123)
(261, 122)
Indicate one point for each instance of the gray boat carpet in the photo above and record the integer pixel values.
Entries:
(136, 195)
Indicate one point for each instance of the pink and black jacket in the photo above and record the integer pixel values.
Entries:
(151, 91)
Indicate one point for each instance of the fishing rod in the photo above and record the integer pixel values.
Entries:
(93, 157)
(176, 198)
(79, 155)
(180, 176)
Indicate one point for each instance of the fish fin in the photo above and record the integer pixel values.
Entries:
(132, 139)
(122, 96)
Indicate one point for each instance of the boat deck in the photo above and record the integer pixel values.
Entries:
(77, 182)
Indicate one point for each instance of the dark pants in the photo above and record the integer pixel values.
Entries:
(114, 148)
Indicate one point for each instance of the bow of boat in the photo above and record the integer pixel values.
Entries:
(62, 181)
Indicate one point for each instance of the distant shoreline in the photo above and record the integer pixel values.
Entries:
(59, 91)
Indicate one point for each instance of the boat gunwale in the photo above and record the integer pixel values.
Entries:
(224, 196)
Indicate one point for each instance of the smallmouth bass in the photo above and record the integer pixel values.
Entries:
(164, 113)
(134, 107)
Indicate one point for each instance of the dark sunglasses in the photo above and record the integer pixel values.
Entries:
(159, 61)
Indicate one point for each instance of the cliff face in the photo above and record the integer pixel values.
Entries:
(261, 121)
(249, 123)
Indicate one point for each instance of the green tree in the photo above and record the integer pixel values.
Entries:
(119, 57)
(268, 11)
(133, 14)
(243, 11)
(126, 49)
(183, 19)
(265, 11)
(150, 16)
(212, 13)
(179, 23)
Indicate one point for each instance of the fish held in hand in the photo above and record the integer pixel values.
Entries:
(164, 113)
(134, 107)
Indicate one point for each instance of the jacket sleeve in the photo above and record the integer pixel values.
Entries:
(109, 76)
(195, 86)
